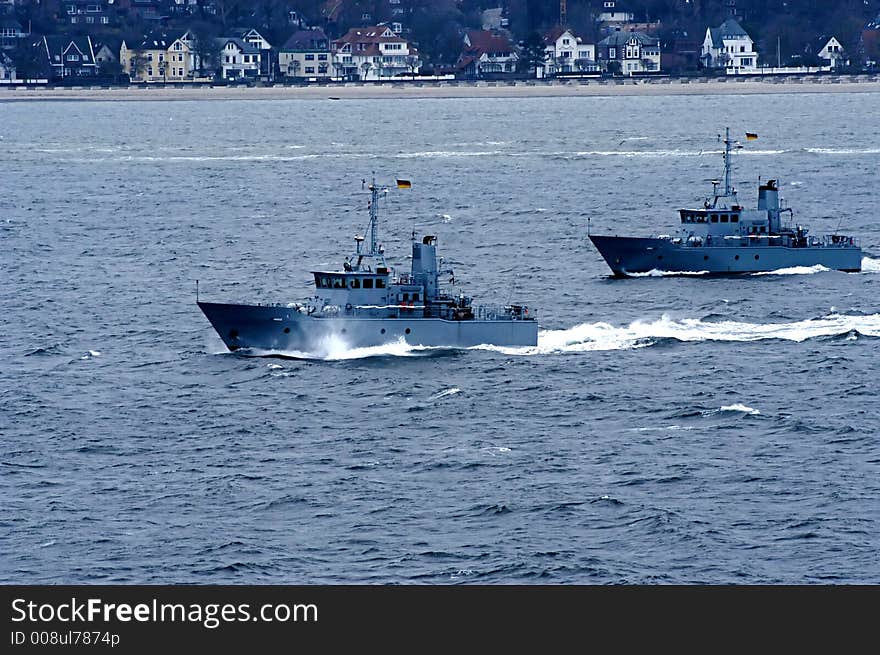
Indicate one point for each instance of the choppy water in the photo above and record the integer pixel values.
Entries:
(664, 430)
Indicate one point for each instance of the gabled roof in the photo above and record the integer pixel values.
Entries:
(62, 45)
(727, 30)
(245, 47)
(552, 36)
(155, 41)
(307, 40)
(820, 42)
(113, 44)
(485, 41)
(620, 38)
(373, 34)
(370, 37)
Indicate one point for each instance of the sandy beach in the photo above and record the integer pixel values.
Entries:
(456, 89)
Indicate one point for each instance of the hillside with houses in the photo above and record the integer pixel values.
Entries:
(302, 41)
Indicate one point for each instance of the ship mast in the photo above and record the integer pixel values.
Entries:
(727, 148)
(374, 216)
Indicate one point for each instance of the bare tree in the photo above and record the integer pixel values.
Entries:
(412, 62)
(137, 65)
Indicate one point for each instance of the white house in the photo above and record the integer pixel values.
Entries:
(252, 36)
(237, 59)
(374, 53)
(833, 53)
(631, 52)
(567, 53)
(614, 11)
(486, 52)
(729, 47)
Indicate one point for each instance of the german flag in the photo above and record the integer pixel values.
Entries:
(404, 184)
(751, 136)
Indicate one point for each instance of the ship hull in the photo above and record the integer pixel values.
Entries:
(282, 329)
(632, 255)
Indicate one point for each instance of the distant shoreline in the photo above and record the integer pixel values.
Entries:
(481, 89)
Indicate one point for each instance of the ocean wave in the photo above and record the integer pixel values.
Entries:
(654, 272)
(843, 151)
(870, 265)
(796, 270)
(446, 392)
(736, 408)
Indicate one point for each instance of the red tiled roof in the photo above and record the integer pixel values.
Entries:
(485, 41)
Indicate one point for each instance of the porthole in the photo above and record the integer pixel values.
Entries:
(286, 330)
(407, 331)
(705, 258)
(382, 331)
(737, 258)
(660, 258)
(757, 257)
(343, 330)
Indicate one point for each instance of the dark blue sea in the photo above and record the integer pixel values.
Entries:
(665, 429)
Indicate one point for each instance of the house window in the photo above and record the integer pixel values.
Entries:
(72, 57)
(310, 57)
(612, 53)
(310, 69)
(322, 57)
(150, 71)
(161, 57)
(564, 41)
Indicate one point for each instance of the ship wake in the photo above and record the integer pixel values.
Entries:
(335, 349)
(588, 337)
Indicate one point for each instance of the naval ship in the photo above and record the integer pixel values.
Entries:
(368, 304)
(723, 237)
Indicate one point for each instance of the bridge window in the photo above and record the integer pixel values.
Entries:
(734, 218)
(380, 283)
(416, 297)
(338, 283)
(406, 297)
(324, 283)
(714, 218)
(356, 283)
(724, 218)
(368, 283)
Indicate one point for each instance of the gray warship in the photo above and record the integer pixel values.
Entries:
(368, 304)
(723, 237)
